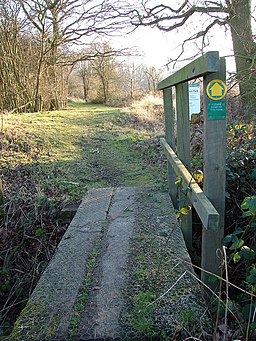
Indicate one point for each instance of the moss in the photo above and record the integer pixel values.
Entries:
(189, 320)
(142, 314)
(156, 267)
(29, 323)
(52, 329)
(83, 294)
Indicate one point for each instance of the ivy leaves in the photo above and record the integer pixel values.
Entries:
(249, 206)
(236, 241)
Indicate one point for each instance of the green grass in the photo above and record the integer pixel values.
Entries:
(86, 146)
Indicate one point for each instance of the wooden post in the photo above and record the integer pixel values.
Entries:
(214, 174)
(183, 148)
(170, 138)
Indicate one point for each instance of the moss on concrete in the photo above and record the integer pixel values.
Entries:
(83, 294)
(160, 260)
(163, 299)
(29, 324)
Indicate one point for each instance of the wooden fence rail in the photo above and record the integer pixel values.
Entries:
(209, 203)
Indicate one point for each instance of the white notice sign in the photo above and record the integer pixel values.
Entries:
(194, 99)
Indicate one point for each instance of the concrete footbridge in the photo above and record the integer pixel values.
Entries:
(120, 272)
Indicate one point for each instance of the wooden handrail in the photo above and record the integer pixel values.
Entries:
(208, 63)
(204, 208)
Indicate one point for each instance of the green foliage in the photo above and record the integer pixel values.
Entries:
(249, 206)
(241, 242)
(240, 225)
(241, 213)
(251, 278)
(185, 210)
(39, 232)
(241, 162)
(242, 255)
(178, 182)
(142, 313)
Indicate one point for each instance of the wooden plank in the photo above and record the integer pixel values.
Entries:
(208, 63)
(214, 180)
(183, 151)
(204, 208)
(170, 138)
(183, 124)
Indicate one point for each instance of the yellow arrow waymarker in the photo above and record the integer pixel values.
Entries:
(216, 89)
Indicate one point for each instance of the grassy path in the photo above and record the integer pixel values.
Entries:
(84, 147)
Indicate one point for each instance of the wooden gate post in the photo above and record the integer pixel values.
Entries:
(214, 173)
(170, 138)
(183, 147)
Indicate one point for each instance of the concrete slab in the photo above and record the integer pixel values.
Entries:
(142, 252)
(46, 317)
(102, 317)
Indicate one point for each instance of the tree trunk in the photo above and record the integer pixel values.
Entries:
(54, 101)
(38, 97)
(85, 93)
(85, 88)
(104, 83)
(245, 55)
(131, 89)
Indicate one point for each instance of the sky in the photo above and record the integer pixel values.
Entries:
(157, 47)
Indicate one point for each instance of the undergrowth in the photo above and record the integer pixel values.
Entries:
(240, 237)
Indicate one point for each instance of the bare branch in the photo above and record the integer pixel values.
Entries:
(168, 19)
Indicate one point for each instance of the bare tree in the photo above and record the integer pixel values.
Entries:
(85, 71)
(234, 14)
(137, 79)
(104, 65)
(60, 23)
(153, 77)
(16, 59)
